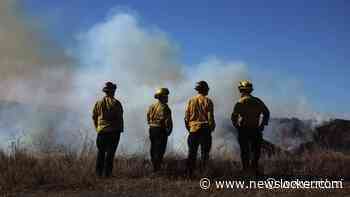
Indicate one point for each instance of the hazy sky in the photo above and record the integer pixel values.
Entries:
(307, 41)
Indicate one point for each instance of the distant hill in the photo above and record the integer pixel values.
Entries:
(333, 135)
(295, 136)
(289, 133)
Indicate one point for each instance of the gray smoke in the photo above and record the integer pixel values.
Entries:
(30, 64)
(35, 76)
(56, 100)
(140, 59)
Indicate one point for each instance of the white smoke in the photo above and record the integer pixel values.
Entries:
(35, 76)
(139, 59)
(33, 69)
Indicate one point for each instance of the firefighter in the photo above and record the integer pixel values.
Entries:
(200, 123)
(108, 121)
(246, 118)
(160, 127)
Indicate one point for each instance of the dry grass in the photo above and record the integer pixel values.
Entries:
(22, 172)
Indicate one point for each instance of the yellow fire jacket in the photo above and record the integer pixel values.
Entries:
(159, 115)
(199, 113)
(108, 115)
(247, 113)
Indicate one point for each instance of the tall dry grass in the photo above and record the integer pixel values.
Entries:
(22, 170)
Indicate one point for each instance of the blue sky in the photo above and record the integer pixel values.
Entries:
(305, 40)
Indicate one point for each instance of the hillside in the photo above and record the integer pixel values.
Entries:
(332, 135)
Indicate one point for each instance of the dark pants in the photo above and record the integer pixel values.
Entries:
(159, 139)
(250, 144)
(107, 144)
(200, 138)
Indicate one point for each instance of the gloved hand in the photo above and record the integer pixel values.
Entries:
(261, 128)
(168, 132)
(188, 128)
(211, 128)
(237, 126)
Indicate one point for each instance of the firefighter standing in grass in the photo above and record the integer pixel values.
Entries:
(160, 126)
(108, 120)
(246, 118)
(200, 123)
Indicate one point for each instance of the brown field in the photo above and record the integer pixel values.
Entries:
(69, 174)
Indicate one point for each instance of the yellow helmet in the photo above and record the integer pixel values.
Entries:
(161, 92)
(245, 85)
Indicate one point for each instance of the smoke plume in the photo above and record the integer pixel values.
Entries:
(30, 64)
(139, 58)
(34, 72)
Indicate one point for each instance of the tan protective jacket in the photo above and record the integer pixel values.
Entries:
(199, 114)
(108, 115)
(159, 115)
(247, 113)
